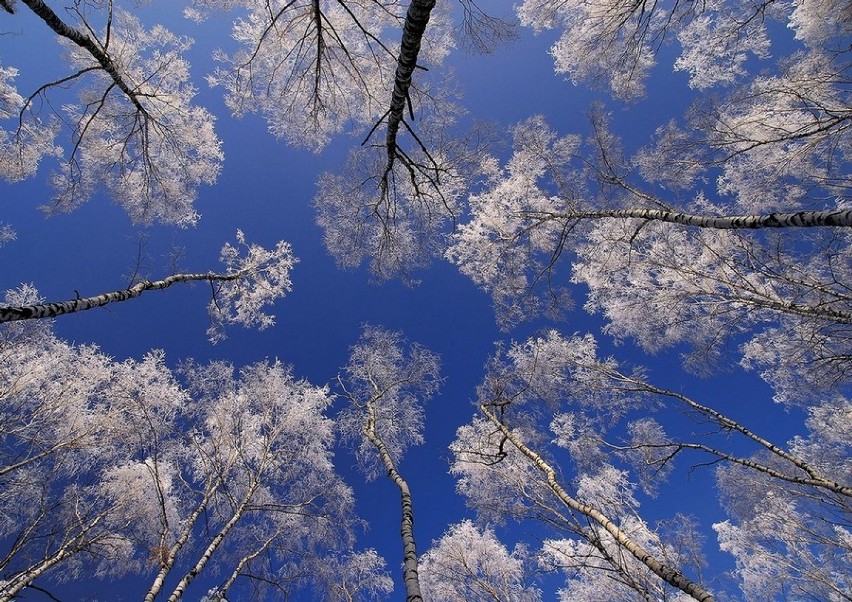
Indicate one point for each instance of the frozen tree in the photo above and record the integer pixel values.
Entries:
(23, 145)
(354, 577)
(661, 286)
(262, 439)
(539, 205)
(616, 43)
(311, 68)
(80, 484)
(397, 198)
(108, 468)
(619, 536)
(394, 201)
(559, 384)
(134, 129)
(469, 564)
(781, 140)
(385, 382)
(254, 278)
(503, 475)
(610, 41)
(658, 274)
(786, 542)
(396, 218)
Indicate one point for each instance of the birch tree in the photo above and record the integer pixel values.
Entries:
(80, 470)
(660, 275)
(111, 468)
(266, 439)
(134, 129)
(394, 201)
(386, 381)
(615, 44)
(254, 278)
(558, 384)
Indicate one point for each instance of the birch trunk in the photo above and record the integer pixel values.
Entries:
(214, 545)
(799, 219)
(667, 573)
(169, 561)
(416, 20)
(84, 41)
(52, 310)
(18, 583)
(409, 565)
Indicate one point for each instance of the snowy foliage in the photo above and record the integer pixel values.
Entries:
(310, 68)
(397, 218)
(7, 234)
(225, 474)
(151, 149)
(717, 42)
(491, 474)
(818, 21)
(471, 565)
(507, 240)
(22, 145)
(786, 542)
(616, 43)
(257, 278)
(662, 286)
(386, 381)
(359, 576)
(599, 40)
(106, 465)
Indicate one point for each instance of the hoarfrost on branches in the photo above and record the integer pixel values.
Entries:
(261, 276)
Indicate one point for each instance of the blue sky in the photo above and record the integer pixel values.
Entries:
(266, 190)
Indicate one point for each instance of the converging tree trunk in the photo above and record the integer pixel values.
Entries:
(409, 570)
(58, 308)
(168, 562)
(667, 573)
(798, 219)
(214, 544)
(388, 379)
(416, 20)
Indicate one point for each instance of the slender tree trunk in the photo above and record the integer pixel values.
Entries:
(213, 546)
(18, 583)
(799, 219)
(22, 581)
(238, 570)
(416, 20)
(169, 561)
(52, 310)
(817, 479)
(768, 470)
(409, 565)
(667, 573)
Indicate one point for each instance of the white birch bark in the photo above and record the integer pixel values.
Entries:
(667, 573)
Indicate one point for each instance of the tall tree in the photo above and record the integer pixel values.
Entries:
(312, 67)
(240, 294)
(385, 383)
(561, 381)
(111, 467)
(394, 201)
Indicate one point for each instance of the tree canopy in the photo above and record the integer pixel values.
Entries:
(575, 276)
